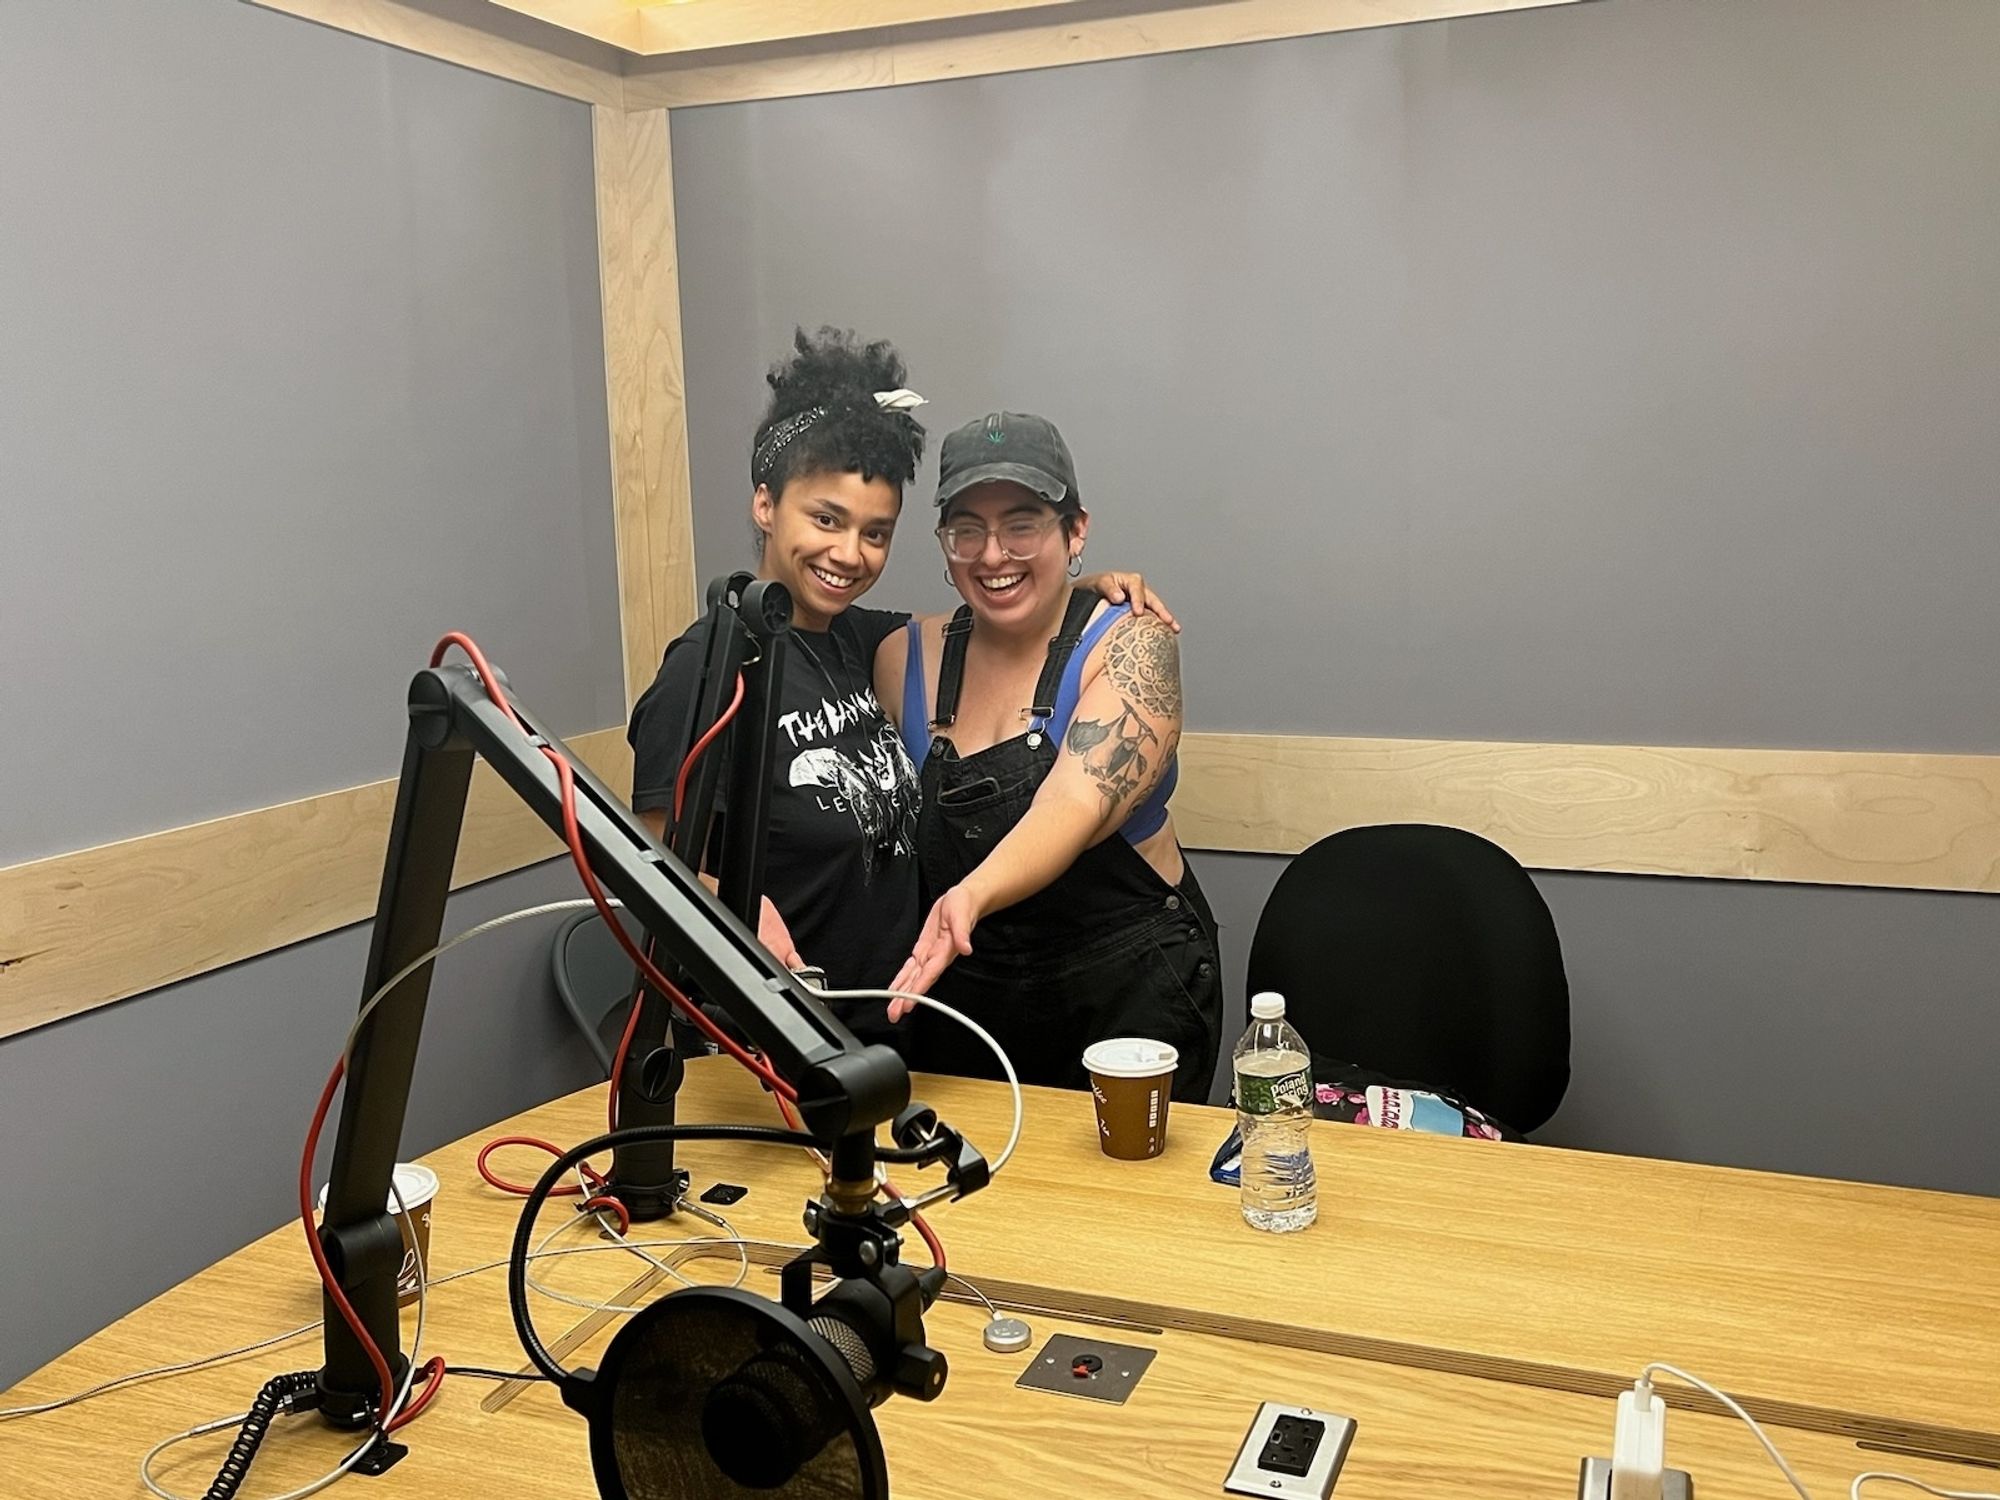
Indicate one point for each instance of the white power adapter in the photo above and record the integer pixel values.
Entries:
(1639, 1444)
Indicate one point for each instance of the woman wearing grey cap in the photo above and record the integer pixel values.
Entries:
(1045, 723)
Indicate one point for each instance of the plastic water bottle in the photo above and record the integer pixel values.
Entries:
(1274, 1093)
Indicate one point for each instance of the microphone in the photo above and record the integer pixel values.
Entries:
(774, 1413)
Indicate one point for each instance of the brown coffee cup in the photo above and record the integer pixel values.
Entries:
(1131, 1082)
(418, 1186)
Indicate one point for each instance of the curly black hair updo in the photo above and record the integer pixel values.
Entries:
(824, 419)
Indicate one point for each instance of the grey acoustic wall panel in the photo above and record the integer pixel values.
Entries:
(302, 366)
(1620, 372)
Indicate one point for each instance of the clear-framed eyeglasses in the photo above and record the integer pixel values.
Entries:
(1021, 538)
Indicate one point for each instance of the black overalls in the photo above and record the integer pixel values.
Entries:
(1109, 949)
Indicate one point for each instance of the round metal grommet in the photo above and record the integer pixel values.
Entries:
(1008, 1335)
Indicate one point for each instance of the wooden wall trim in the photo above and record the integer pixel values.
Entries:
(477, 35)
(684, 26)
(998, 44)
(652, 494)
(615, 22)
(1835, 817)
(81, 930)
(706, 24)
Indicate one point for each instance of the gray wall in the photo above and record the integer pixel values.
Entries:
(1622, 372)
(302, 366)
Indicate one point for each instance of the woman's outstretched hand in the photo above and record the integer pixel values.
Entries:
(945, 936)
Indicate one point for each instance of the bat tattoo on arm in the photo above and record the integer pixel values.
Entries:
(1114, 753)
(1143, 661)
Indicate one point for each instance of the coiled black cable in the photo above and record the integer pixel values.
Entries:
(286, 1392)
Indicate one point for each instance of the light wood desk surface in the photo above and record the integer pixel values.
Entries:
(1461, 1299)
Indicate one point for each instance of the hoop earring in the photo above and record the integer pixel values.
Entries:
(1076, 565)
(947, 577)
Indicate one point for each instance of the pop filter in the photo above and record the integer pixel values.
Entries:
(717, 1394)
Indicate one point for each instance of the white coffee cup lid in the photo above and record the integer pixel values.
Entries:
(418, 1185)
(1130, 1057)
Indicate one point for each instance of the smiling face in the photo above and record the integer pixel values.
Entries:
(1012, 593)
(826, 539)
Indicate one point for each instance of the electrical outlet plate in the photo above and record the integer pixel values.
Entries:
(1248, 1477)
(1117, 1371)
(1594, 1483)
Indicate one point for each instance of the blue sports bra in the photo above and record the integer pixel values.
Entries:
(1147, 818)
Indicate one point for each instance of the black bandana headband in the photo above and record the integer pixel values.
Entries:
(764, 459)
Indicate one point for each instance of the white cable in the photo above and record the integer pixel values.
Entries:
(494, 1265)
(368, 1005)
(188, 1367)
(740, 1242)
(1749, 1421)
(709, 1217)
(360, 1452)
(159, 1372)
(1006, 1063)
(609, 1225)
(1854, 1492)
(1860, 1479)
(606, 1221)
(640, 1250)
(984, 1300)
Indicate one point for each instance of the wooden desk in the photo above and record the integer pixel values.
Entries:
(1462, 1300)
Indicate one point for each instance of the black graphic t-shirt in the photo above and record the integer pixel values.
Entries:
(840, 864)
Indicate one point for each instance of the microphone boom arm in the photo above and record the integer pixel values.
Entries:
(845, 1089)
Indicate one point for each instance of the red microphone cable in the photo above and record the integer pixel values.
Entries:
(566, 780)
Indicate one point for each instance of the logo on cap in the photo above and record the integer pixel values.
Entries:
(996, 432)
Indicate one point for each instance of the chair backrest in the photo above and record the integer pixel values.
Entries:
(594, 979)
(1425, 953)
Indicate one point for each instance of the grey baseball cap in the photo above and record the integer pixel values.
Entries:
(1026, 450)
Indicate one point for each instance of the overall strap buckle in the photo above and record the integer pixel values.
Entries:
(1076, 616)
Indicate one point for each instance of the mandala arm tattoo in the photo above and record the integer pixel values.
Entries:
(1143, 661)
(1117, 754)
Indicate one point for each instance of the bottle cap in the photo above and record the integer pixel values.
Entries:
(1268, 1006)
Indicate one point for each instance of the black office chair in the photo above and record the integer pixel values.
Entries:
(595, 979)
(1422, 953)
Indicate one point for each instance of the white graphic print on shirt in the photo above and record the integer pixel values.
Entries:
(869, 777)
